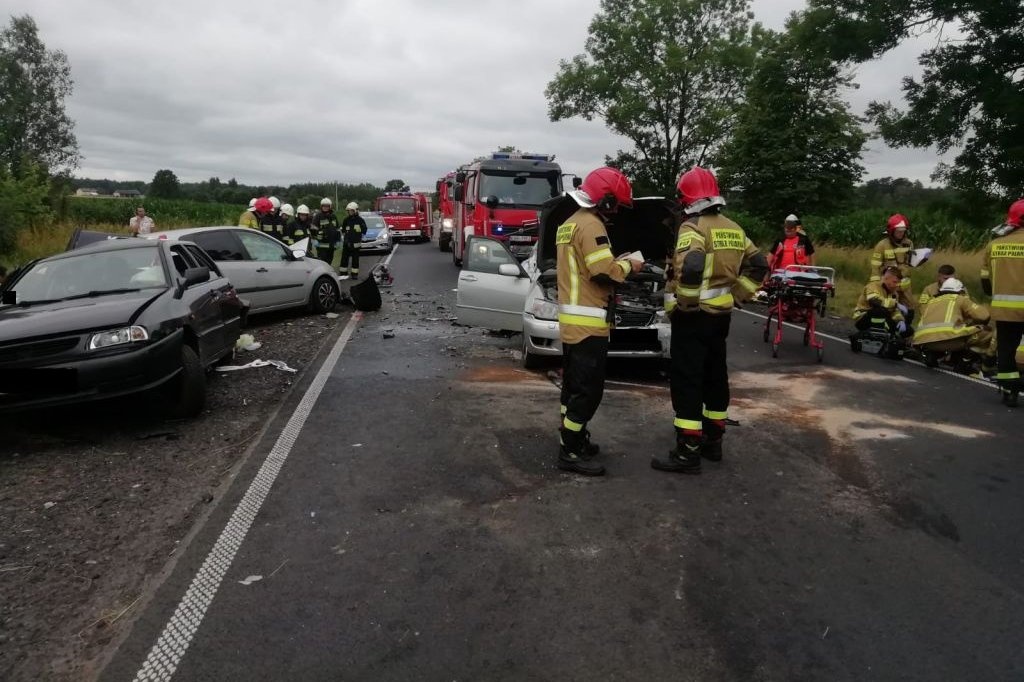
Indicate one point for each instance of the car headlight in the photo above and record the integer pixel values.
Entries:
(447, 223)
(543, 309)
(118, 337)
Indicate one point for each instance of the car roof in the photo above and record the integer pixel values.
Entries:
(182, 232)
(105, 245)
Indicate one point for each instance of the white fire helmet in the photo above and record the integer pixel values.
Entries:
(302, 209)
(352, 206)
(288, 210)
(325, 202)
(275, 202)
(952, 285)
(252, 203)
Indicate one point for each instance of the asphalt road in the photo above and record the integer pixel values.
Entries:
(867, 523)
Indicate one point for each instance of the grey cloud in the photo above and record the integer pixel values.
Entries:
(352, 91)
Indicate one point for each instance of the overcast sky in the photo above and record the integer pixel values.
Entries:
(353, 90)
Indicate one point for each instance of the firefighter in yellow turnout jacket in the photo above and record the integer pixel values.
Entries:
(951, 322)
(1002, 277)
(896, 250)
(715, 265)
(587, 274)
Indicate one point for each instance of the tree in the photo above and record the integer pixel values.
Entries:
(666, 74)
(24, 200)
(395, 186)
(511, 149)
(34, 82)
(165, 185)
(796, 147)
(971, 94)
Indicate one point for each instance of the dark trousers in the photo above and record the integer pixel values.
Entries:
(699, 376)
(583, 370)
(1008, 336)
(349, 252)
(325, 253)
(865, 321)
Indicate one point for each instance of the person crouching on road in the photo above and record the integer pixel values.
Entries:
(587, 275)
(1002, 277)
(326, 230)
(932, 290)
(952, 323)
(715, 263)
(353, 227)
(878, 306)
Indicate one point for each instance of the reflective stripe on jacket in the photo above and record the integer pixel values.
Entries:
(876, 292)
(889, 253)
(587, 274)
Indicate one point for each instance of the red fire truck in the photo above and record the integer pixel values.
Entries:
(446, 208)
(407, 214)
(499, 196)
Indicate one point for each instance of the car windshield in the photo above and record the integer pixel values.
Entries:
(92, 274)
(373, 223)
(519, 190)
(403, 206)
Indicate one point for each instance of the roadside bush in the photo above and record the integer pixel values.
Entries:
(24, 202)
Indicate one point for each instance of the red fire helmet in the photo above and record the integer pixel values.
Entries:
(606, 189)
(699, 190)
(896, 222)
(1015, 216)
(263, 205)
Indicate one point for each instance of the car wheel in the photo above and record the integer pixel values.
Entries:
(324, 296)
(188, 389)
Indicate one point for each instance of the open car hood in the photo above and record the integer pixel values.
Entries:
(650, 227)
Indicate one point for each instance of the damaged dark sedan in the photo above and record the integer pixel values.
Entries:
(116, 318)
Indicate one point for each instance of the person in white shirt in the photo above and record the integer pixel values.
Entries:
(140, 223)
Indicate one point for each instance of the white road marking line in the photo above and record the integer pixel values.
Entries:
(846, 342)
(165, 656)
(387, 261)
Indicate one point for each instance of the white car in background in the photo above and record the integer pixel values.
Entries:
(496, 291)
(264, 272)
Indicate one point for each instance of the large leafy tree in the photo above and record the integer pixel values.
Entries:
(796, 146)
(395, 185)
(666, 74)
(165, 185)
(971, 94)
(34, 82)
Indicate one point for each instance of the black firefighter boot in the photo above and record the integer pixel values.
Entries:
(711, 444)
(1010, 395)
(590, 449)
(685, 459)
(572, 454)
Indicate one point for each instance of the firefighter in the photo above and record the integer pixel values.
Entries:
(326, 230)
(301, 227)
(250, 217)
(1002, 277)
(287, 217)
(932, 290)
(260, 210)
(878, 307)
(794, 248)
(951, 323)
(896, 250)
(353, 227)
(587, 275)
(714, 266)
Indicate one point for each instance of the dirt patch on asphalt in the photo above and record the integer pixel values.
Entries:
(95, 500)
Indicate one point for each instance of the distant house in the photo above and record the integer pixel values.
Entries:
(87, 192)
(127, 193)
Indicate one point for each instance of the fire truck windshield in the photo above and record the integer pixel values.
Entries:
(394, 205)
(518, 189)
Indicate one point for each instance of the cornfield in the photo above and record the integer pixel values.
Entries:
(166, 213)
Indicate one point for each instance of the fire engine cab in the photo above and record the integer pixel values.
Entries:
(500, 196)
(407, 214)
(446, 209)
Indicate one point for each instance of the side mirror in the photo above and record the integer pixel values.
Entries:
(509, 270)
(460, 177)
(299, 255)
(577, 182)
(491, 201)
(437, 187)
(192, 276)
(9, 297)
(458, 194)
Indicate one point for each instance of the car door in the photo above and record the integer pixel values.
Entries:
(224, 247)
(280, 276)
(224, 295)
(485, 297)
(203, 303)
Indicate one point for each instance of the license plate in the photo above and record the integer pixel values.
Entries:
(409, 233)
(520, 238)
